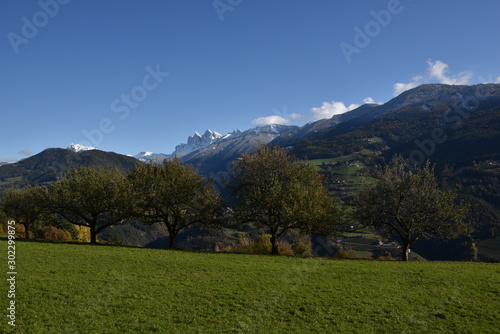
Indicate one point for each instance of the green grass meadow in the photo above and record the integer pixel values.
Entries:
(69, 288)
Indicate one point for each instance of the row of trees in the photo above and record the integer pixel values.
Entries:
(98, 197)
(269, 188)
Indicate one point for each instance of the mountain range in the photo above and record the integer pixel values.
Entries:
(397, 126)
(200, 150)
(201, 147)
(215, 160)
(456, 127)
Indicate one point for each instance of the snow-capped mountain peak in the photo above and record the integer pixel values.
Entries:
(79, 147)
(233, 134)
(197, 141)
(212, 139)
(144, 154)
(147, 156)
(274, 129)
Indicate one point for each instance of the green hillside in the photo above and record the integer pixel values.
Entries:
(46, 166)
(64, 288)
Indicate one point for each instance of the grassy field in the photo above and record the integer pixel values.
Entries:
(63, 288)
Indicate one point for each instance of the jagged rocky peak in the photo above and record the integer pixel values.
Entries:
(236, 132)
(197, 141)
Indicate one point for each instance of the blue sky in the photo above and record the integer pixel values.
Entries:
(143, 75)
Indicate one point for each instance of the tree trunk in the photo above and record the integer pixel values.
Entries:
(93, 235)
(406, 251)
(27, 231)
(274, 244)
(173, 237)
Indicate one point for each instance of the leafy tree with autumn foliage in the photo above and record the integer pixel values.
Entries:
(176, 195)
(408, 202)
(95, 197)
(280, 193)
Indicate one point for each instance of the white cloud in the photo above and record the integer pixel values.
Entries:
(436, 72)
(274, 119)
(327, 109)
(26, 152)
(369, 100)
(280, 117)
(401, 87)
(497, 80)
